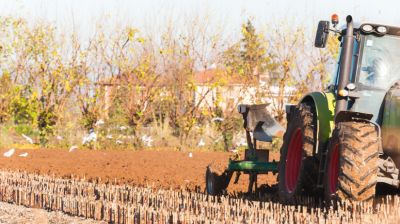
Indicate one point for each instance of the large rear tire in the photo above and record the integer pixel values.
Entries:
(296, 168)
(352, 163)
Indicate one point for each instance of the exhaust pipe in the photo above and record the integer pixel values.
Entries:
(345, 65)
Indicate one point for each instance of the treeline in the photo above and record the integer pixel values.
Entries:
(127, 86)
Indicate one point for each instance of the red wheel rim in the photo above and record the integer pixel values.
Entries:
(293, 160)
(333, 171)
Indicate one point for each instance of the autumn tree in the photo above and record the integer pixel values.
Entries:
(246, 60)
(24, 109)
(39, 65)
(184, 52)
(94, 69)
(5, 96)
(179, 69)
(288, 59)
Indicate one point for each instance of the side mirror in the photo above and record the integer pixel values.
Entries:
(322, 34)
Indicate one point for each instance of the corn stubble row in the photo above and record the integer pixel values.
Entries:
(129, 204)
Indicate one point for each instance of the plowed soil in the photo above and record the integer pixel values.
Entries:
(158, 169)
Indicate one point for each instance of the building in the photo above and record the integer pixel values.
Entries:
(217, 87)
(212, 87)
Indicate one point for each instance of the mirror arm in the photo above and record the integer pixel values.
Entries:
(335, 31)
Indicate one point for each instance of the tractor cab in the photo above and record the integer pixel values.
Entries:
(374, 65)
(378, 70)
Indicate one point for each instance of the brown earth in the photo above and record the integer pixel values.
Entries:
(158, 169)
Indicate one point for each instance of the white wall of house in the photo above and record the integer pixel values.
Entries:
(238, 94)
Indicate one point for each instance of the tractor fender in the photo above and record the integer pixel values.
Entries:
(324, 103)
(346, 115)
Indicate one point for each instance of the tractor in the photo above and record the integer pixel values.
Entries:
(342, 143)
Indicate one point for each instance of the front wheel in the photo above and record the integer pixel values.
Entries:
(352, 162)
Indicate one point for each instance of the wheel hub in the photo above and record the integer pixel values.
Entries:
(293, 160)
(333, 170)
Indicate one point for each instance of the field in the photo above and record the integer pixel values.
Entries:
(156, 169)
(160, 187)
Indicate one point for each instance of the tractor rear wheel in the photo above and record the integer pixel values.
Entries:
(295, 168)
(352, 163)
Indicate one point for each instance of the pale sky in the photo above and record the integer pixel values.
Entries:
(84, 13)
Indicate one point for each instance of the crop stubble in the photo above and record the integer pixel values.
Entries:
(127, 202)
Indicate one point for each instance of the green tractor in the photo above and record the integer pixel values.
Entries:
(345, 141)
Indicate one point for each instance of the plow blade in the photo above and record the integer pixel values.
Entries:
(259, 121)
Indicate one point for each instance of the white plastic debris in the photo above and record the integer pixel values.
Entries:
(190, 154)
(23, 154)
(147, 140)
(219, 119)
(99, 122)
(122, 128)
(119, 142)
(109, 137)
(201, 143)
(9, 153)
(59, 137)
(27, 138)
(91, 137)
(73, 148)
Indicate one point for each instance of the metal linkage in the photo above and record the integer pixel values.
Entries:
(388, 172)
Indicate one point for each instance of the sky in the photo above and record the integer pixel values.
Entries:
(83, 14)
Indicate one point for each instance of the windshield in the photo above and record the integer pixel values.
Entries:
(380, 65)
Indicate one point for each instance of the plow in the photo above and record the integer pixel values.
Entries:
(259, 126)
(342, 143)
